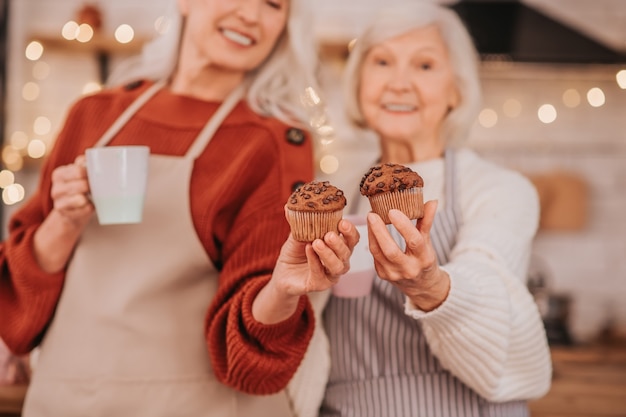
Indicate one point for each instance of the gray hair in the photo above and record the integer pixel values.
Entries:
(394, 21)
(275, 89)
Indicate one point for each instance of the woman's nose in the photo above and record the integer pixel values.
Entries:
(249, 10)
(399, 80)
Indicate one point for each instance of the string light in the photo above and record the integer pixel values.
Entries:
(595, 97)
(621, 79)
(124, 33)
(547, 113)
(488, 118)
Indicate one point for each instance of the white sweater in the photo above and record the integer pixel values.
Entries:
(488, 332)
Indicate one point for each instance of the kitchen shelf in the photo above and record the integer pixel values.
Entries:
(99, 43)
(101, 46)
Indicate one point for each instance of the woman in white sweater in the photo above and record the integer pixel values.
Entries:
(449, 328)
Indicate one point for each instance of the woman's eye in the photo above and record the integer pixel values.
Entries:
(425, 66)
(381, 62)
(275, 5)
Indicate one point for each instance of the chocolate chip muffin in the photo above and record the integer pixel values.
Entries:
(388, 186)
(315, 209)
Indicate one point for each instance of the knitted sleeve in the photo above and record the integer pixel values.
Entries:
(247, 355)
(28, 295)
(489, 332)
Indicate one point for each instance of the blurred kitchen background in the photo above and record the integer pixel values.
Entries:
(554, 78)
(554, 74)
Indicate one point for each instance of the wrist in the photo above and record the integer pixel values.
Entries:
(272, 305)
(434, 294)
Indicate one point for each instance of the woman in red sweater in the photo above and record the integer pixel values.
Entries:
(193, 309)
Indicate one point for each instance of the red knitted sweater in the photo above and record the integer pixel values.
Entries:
(239, 186)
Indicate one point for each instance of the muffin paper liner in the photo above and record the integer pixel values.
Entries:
(410, 202)
(308, 226)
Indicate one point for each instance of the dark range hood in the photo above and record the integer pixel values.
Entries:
(511, 30)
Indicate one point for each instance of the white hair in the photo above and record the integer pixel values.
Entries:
(397, 20)
(275, 88)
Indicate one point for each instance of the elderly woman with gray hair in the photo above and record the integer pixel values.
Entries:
(449, 328)
(202, 309)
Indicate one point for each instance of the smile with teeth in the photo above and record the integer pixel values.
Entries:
(399, 107)
(237, 37)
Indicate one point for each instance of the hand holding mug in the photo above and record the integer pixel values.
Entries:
(69, 192)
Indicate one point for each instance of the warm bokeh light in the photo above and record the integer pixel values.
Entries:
(34, 50)
(124, 33)
(318, 120)
(571, 98)
(595, 97)
(41, 70)
(547, 113)
(162, 25)
(30, 91)
(326, 130)
(512, 108)
(621, 79)
(85, 33)
(70, 30)
(11, 157)
(19, 140)
(310, 97)
(42, 126)
(36, 148)
(6, 178)
(488, 118)
(92, 87)
(351, 44)
(14, 193)
(329, 164)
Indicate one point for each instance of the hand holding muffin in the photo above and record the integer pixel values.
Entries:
(395, 195)
(314, 256)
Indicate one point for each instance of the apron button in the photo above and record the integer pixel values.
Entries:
(132, 85)
(295, 136)
(297, 185)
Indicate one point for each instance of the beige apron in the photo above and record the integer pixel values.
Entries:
(128, 337)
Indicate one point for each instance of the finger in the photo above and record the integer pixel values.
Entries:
(68, 173)
(69, 188)
(385, 245)
(403, 224)
(425, 223)
(373, 222)
(71, 202)
(333, 253)
(320, 279)
(349, 232)
(81, 161)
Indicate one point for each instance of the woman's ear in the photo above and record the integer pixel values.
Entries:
(183, 6)
(455, 99)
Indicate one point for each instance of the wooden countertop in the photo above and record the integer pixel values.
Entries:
(11, 399)
(588, 381)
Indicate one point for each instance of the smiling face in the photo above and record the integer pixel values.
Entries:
(232, 35)
(407, 87)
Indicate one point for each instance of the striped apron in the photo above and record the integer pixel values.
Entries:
(382, 365)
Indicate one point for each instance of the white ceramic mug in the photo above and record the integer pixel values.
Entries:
(118, 177)
(359, 280)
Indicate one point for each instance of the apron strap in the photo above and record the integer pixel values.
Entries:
(128, 113)
(214, 123)
(451, 182)
(205, 134)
